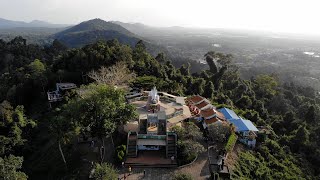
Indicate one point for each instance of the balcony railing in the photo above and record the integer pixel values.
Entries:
(147, 136)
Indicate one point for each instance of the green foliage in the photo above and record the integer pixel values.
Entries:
(269, 162)
(231, 142)
(120, 153)
(27, 71)
(14, 127)
(219, 131)
(182, 176)
(62, 127)
(161, 57)
(244, 102)
(208, 90)
(188, 131)
(210, 60)
(266, 85)
(146, 82)
(37, 67)
(198, 86)
(188, 150)
(105, 171)
(185, 70)
(9, 167)
(188, 147)
(102, 109)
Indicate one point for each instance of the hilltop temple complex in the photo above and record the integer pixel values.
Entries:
(150, 141)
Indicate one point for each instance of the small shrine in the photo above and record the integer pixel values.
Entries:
(153, 102)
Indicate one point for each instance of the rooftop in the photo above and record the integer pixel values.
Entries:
(202, 104)
(229, 114)
(208, 112)
(195, 99)
(243, 125)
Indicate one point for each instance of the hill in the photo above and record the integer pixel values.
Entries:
(8, 24)
(93, 30)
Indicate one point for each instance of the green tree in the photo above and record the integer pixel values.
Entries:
(161, 57)
(311, 115)
(37, 68)
(208, 90)
(105, 171)
(188, 147)
(219, 131)
(266, 85)
(185, 69)
(244, 102)
(188, 131)
(102, 108)
(9, 166)
(147, 82)
(15, 127)
(198, 86)
(302, 136)
(63, 127)
(37, 72)
(210, 60)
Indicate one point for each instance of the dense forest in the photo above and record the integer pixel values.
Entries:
(29, 145)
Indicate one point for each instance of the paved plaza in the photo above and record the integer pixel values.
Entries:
(199, 170)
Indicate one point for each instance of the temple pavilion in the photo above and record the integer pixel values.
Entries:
(149, 136)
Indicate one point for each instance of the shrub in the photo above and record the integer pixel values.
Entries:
(231, 142)
(188, 150)
(105, 171)
(182, 176)
(120, 153)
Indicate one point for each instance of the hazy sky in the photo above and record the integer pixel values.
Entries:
(297, 16)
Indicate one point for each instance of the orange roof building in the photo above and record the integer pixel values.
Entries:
(204, 105)
(206, 110)
(195, 99)
(218, 116)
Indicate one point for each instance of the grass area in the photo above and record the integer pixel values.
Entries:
(231, 142)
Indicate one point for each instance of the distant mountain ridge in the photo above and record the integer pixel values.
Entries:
(7, 24)
(93, 30)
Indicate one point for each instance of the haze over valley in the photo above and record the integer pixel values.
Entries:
(255, 52)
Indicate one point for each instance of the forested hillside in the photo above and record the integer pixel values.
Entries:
(93, 30)
(30, 146)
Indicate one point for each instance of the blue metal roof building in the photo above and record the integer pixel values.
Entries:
(243, 125)
(229, 114)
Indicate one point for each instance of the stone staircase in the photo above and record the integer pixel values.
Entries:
(171, 145)
(132, 145)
